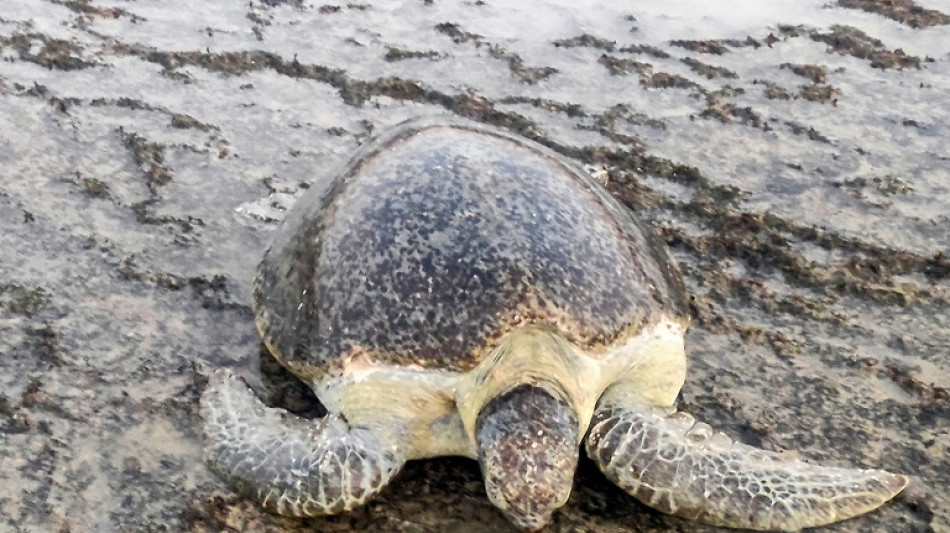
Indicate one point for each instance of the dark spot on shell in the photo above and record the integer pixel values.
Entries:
(439, 238)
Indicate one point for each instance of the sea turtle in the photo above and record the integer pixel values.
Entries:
(457, 290)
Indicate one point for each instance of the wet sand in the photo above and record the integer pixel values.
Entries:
(795, 159)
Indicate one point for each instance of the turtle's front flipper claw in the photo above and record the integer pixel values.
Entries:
(292, 465)
(679, 466)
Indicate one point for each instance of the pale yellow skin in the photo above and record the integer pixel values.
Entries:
(441, 407)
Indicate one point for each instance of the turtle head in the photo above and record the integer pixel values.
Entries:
(527, 442)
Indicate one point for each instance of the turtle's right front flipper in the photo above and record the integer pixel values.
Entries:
(292, 465)
(682, 467)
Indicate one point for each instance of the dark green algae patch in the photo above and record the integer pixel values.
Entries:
(903, 11)
(22, 300)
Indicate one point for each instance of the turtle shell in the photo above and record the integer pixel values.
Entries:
(440, 237)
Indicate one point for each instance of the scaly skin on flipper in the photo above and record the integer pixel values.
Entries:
(682, 467)
(292, 465)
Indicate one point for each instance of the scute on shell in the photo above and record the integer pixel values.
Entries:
(441, 236)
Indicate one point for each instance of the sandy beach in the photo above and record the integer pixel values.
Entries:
(795, 158)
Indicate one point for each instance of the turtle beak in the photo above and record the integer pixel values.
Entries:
(527, 448)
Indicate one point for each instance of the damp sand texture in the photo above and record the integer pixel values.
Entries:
(794, 159)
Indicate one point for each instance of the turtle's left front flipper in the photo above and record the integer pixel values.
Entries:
(682, 467)
(292, 465)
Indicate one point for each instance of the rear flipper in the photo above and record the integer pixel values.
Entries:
(292, 465)
(682, 467)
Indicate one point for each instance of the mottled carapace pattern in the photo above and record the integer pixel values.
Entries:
(441, 237)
